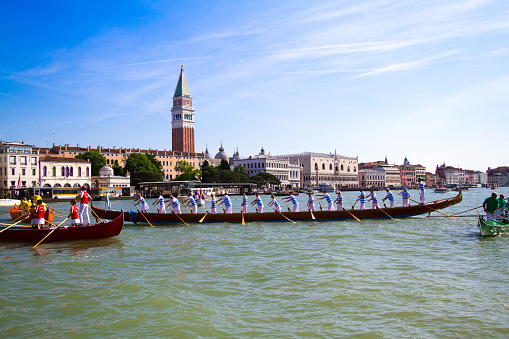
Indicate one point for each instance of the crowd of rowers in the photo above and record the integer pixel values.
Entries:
(257, 203)
(36, 210)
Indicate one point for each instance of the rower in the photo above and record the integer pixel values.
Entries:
(141, 200)
(213, 203)
(174, 203)
(39, 215)
(190, 201)
(293, 200)
(227, 203)
(373, 198)
(405, 197)
(243, 205)
(160, 202)
(258, 202)
(311, 202)
(74, 214)
(422, 192)
(326, 196)
(339, 200)
(274, 204)
(84, 198)
(389, 196)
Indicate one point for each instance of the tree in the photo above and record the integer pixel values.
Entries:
(97, 160)
(263, 179)
(187, 171)
(118, 170)
(141, 168)
(225, 166)
(239, 169)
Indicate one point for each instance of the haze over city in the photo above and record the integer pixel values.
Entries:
(426, 80)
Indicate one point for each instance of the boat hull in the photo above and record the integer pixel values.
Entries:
(399, 212)
(492, 227)
(97, 231)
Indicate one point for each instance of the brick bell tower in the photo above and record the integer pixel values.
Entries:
(182, 122)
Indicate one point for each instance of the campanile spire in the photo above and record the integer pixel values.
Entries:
(182, 122)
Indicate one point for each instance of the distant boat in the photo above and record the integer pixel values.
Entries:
(441, 189)
(9, 202)
(457, 188)
(495, 187)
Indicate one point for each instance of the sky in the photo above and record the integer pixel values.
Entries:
(428, 80)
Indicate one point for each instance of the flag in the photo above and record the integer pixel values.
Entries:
(108, 205)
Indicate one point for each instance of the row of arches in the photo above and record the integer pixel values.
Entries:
(337, 168)
(76, 185)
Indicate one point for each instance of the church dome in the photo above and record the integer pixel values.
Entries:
(106, 171)
(221, 154)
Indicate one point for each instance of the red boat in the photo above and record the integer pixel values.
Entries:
(16, 214)
(97, 231)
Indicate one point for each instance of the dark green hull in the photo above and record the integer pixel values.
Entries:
(492, 227)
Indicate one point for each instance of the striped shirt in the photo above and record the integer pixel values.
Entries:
(390, 196)
(160, 200)
(405, 195)
(340, 200)
(373, 197)
(421, 186)
(311, 200)
(192, 201)
(328, 198)
(362, 198)
(293, 200)
(274, 201)
(213, 202)
(227, 201)
(175, 202)
(259, 201)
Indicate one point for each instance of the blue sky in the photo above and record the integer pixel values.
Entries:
(424, 79)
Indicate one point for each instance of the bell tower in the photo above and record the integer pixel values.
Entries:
(182, 112)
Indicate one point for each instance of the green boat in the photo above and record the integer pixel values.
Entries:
(492, 227)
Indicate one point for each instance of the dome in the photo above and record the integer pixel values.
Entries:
(221, 154)
(106, 171)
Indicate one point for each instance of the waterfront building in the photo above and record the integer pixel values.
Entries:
(392, 173)
(56, 172)
(107, 183)
(449, 176)
(372, 177)
(431, 179)
(476, 178)
(289, 174)
(19, 167)
(498, 176)
(326, 169)
(407, 171)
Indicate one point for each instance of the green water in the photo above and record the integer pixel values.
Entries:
(416, 277)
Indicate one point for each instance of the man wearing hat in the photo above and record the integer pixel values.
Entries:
(84, 199)
(405, 196)
(389, 196)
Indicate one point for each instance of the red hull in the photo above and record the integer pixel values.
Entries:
(97, 231)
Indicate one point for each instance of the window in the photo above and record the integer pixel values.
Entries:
(44, 171)
(12, 160)
(71, 172)
(33, 171)
(23, 171)
(13, 171)
(342, 168)
(323, 166)
(79, 171)
(23, 160)
(330, 167)
(54, 171)
(63, 171)
(23, 183)
(88, 172)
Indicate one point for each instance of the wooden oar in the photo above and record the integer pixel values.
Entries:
(242, 213)
(4, 224)
(387, 214)
(95, 214)
(432, 209)
(312, 215)
(455, 214)
(59, 211)
(353, 216)
(224, 210)
(171, 209)
(283, 215)
(320, 204)
(143, 215)
(50, 232)
(201, 220)
(355, 203)
(286, 205)
(25, 216)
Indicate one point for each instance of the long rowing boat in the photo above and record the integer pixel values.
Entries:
(16, 214)
(97, 231)
(492, 227)
(384, 213)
